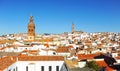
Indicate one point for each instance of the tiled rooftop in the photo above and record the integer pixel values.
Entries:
(104, 64)
(6, 61)
(86, 56)
(40, 58)
(62, 49)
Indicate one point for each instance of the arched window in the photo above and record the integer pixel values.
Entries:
(29, 29)
(42, 68)
(50, 68)
(26, 68)
(57, 68)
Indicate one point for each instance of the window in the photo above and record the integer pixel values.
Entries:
(54, 53)
(13, 69)
(50, 68)
(26, 68)
(29, 29)
(30, 37)
(16, 68)
(42, 68)
(57, 68)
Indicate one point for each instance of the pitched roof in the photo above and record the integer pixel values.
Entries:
(62, 49)
(9, 54)
(40, 58)
(6, 61)
(86, 56)
(104, 64)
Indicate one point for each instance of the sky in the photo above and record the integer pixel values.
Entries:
(56, 16)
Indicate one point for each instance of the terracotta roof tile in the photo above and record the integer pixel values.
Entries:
(40, 58)
(6, 61)
(62, 49)
(104, 64)
(47, 45)
(86, 56)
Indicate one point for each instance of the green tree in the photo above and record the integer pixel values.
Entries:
(93, 65)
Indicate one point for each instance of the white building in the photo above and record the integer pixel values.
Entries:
(33, 63)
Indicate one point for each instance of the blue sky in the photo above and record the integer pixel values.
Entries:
(56, 16)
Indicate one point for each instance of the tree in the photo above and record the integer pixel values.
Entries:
(93, 65)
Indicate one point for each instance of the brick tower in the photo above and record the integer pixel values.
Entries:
(31, 29)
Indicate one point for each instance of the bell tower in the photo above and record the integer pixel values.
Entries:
(73, 29)
(31, 29)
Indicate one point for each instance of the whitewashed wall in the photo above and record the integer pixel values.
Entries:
(82, 64)
(37, 65)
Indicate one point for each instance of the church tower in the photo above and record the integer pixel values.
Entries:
(73, 29)
(31, 29)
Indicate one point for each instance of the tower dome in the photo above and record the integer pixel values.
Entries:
(31, 23)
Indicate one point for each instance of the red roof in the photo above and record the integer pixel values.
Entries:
(47, 45)
(104, 64)
(86, 56)
(40, 58)
(6, 61)
(62, 49)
